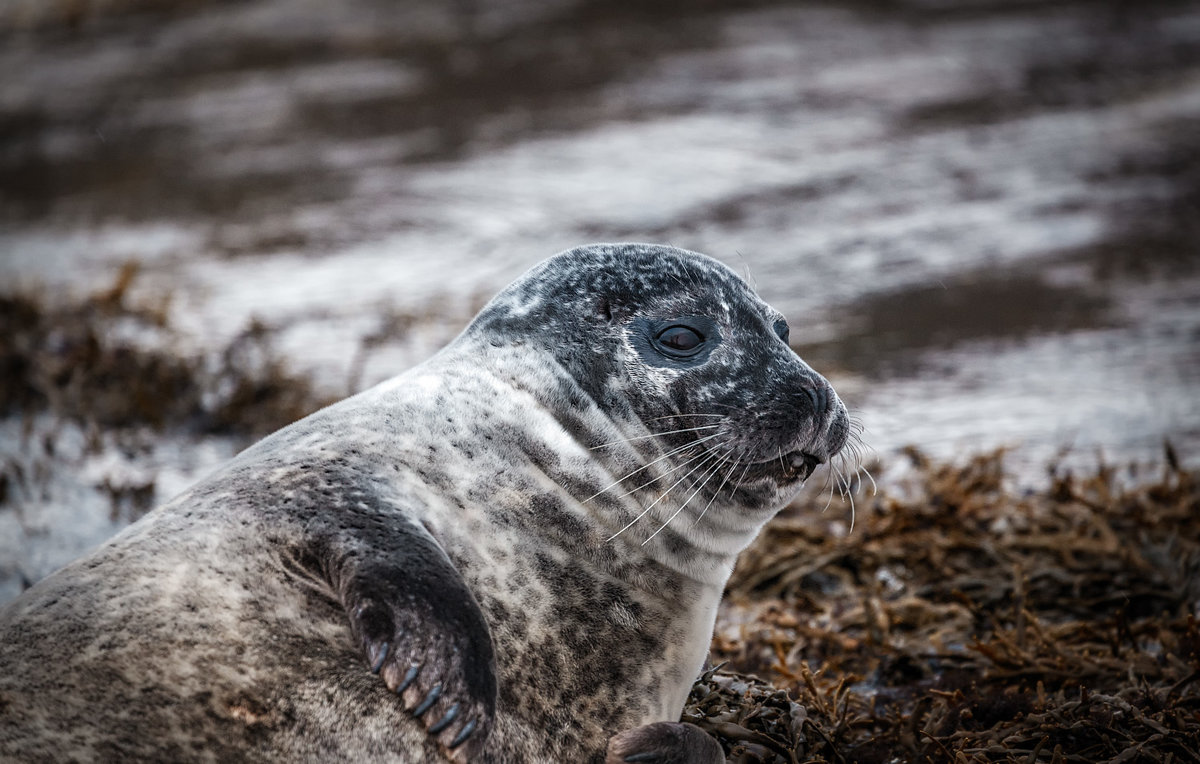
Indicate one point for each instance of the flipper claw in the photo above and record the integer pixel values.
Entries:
(445, 721)
(430, 698)
(381, 653)
(463, 734)
(413, 670)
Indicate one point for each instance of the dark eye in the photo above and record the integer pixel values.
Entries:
(680, 339)
(781, 328)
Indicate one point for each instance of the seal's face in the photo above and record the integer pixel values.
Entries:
(719, 366)
(713, 360)
(675, 343)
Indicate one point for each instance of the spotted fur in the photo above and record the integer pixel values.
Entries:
(475, 518)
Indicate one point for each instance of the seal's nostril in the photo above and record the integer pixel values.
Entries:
(818, 395)
(814, 398)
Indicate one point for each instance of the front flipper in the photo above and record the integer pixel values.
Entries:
(420, 628)
(664, 743)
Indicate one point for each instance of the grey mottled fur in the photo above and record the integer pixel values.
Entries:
(443, 519)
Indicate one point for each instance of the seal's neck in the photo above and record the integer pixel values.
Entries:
(642, 499)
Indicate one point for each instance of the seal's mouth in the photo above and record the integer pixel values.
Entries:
(787, 468)
(800, 465)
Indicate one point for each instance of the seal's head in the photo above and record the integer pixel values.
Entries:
(678, 352)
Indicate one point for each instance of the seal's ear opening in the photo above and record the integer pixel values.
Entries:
(604, 310)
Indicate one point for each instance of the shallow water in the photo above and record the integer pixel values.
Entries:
(983, 220)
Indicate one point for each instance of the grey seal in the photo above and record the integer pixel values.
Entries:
(512, 552)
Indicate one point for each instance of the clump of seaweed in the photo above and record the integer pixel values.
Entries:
(755, 721)
(103, 363)
(964, 621)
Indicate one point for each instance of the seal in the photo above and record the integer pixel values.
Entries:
(512, 552)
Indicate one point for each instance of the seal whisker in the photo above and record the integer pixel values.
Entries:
(707, 476)
(662, 496)
(844, 490)
(667, 455)
(857, 448)
(838, 480)
(706, 455)
(829, 482)
(655, 435)
(726, 460)
(677, 280)
(850, 495)
(844, 460)
(653, 480)
(740, 479)
(874, 488)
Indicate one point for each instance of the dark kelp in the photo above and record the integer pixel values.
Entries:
(966, 621)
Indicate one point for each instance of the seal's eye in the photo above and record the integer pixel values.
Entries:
(781, 328)
(679, 340)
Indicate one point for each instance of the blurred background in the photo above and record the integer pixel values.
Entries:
(982, 218)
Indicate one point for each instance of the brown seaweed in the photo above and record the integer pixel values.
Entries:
(106, 363)
(965, 620)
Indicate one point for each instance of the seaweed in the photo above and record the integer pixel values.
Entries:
(965, 620)
(105, 363)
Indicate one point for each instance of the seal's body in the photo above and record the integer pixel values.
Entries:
(524, 538)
